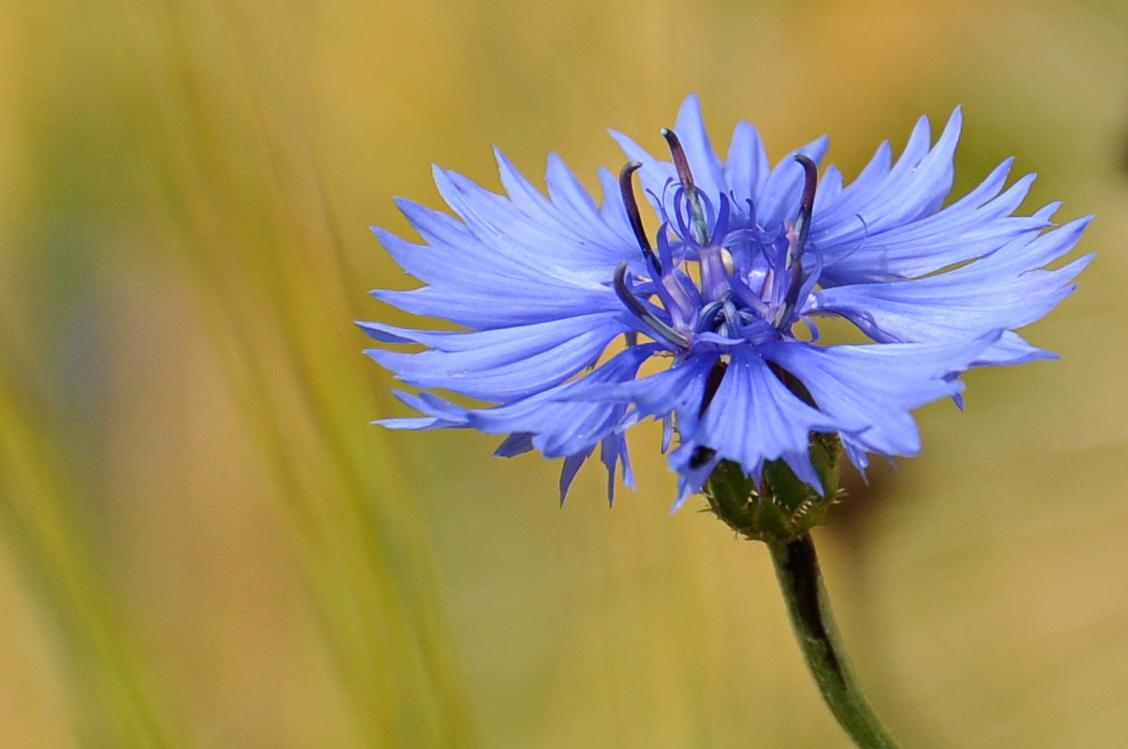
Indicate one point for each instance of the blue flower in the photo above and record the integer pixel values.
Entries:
(564, 300)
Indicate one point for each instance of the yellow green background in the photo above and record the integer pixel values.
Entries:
(204, 544)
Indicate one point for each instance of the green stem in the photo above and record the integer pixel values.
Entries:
(797, 568)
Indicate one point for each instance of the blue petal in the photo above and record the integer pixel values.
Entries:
(1011, 349)
(779, 201)
(450, 265)
(483, 308)
(524, 194)
(610, 242)
(517, 443)
(692, 477)
(872, 389)
(573, 222)
(754, 418)
(455, 254)
(916, 185)
(979, 223)
(834, 208)
(655, 173)
(555, 421)
(532, 337)
(613, 449)
(500, 364)
(830, 187)
(560, 423)
(611, 209)
(679, 388)
(572, 465)
(747, 167)
(613, 452)
(500, 226)
(439, 413)
(1002, 291)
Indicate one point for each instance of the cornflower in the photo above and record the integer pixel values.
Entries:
(563, 301)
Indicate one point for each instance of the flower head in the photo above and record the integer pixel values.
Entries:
(564, 300)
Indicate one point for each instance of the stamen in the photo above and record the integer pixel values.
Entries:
(681, 163)
(626, 189)
(642, 312)
(798, 239)
(807, 202)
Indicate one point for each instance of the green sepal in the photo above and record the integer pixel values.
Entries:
(781, 508)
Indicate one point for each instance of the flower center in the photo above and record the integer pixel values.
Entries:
(717, 278)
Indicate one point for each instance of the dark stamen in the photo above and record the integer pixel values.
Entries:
(794, 262)
(681, 164)
(626, 189)
(642, 312)
(807, 202)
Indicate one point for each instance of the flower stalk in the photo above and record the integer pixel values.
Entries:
(797, 569)
(780, 510)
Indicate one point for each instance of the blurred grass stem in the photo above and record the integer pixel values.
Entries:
(117, 699)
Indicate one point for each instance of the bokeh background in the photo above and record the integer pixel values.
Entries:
(204, 544)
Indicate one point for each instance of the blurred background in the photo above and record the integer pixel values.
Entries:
(204, 544)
